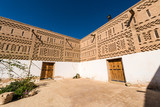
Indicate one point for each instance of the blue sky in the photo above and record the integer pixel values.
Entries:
(76, 18)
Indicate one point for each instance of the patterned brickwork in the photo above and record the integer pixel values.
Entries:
(13, 25)
(24, 42)
(148, 28)
(145, 4)
(114, 42)
(51, 49)
(72, 50)
(118, 45)
(88, 48)
(14, 47)
(47, 52)
(116, 39)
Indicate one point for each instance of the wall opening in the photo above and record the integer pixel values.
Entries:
(148, 12)
(115, 70)
(12, 31)
(47, 70)
(156, 33)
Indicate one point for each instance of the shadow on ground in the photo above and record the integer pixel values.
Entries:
(152, 96)
(42, 84)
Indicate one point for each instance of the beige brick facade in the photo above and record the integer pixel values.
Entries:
(24, 42)
(116, 39)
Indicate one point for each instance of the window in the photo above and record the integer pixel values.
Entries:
(12, 31)
(122, 26)
(139, 39)
(19, 48)
(134, 19)
(156, 33)
(22, 33)
(51, 40)
(113, 30)
(148, 12)
(0, 27)
(7, 47)
(13, 48)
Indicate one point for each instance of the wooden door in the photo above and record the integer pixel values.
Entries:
(47, 70)
(116, 70)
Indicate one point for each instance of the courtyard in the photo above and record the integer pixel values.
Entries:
(88, 93)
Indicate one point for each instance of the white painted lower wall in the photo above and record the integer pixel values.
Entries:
(139, 68)
(66, 69)
(62, 69)
(35, 69)
(96, 70)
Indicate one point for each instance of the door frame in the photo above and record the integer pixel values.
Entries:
(109, 72)
(42, 69)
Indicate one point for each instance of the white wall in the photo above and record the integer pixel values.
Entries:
(35, 69)
(66, 69)
(96, 70)
(140, 68)
(63, 69)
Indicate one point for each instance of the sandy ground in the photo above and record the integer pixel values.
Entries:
(83, 93)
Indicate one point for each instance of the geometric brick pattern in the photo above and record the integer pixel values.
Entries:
(115, 39)
(17, 41)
